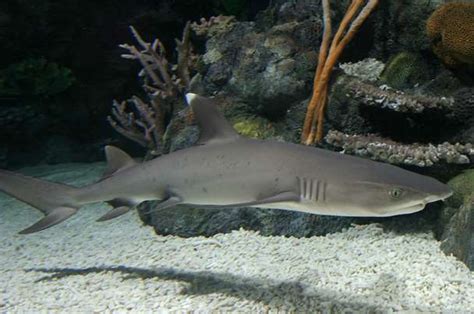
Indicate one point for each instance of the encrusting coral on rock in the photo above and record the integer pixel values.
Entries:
(382, 149)
(368, 69)
(451, 31)
(385, 97)
(213, 26)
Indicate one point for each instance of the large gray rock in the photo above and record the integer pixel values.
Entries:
(270, 67)
(456, 225)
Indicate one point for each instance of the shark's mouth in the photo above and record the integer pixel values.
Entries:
(417, 206)
(435, 198)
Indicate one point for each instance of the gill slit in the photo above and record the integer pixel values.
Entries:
(313, 190)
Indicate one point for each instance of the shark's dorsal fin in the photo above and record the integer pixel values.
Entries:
(117, 160)
(213, 125)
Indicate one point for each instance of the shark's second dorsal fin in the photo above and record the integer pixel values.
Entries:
(117, 160)
(213, 125)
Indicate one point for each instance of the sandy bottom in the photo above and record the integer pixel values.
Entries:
(121, 265)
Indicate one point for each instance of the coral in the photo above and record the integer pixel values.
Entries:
(381, 149)
(463, 187)
(405, 69)
(145, 128)
(165, 83)
(386, 97)
(254, 127)
(451, 31)
(368, 69)
(213, 26)
(328, 56)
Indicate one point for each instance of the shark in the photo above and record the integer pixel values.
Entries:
(225, 170)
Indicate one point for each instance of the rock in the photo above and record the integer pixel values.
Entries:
(400, 26)
(186, 221)
(458, 235)
(463, 187)
(269, 69)
(405, 70)
(368, 69)
(457, 219)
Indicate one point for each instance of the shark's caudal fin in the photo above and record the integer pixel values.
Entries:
(55, 200)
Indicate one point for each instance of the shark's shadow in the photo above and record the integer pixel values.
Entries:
(269, 292)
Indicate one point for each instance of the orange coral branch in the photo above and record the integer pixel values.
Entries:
(313, 126)
(323, 51)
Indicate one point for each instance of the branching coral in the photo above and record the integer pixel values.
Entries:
(328, 56)
(451, 30)
(381, 149)
(143, 124)
(165, 83)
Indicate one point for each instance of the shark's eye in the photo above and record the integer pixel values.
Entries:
(396, 193)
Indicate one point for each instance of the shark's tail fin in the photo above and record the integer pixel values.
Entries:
(55, 200)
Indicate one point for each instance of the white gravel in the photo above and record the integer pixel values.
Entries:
(121, 266)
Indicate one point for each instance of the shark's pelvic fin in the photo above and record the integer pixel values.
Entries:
(213, 126)
(117, 160)
(121, 206)
(171, 201)
(114, 213)
(56, 216)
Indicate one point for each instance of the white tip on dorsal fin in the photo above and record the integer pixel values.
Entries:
(212, 123)
(117, 160)
(190, 97)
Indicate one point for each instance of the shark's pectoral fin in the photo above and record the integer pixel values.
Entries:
(171, 201)
(114, 213)
(54, 217)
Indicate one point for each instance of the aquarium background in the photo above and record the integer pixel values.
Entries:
(61, 68)
(401, 92)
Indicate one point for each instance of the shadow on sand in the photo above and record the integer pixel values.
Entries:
(271, 293)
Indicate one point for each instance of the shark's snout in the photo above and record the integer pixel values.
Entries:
(439, 197)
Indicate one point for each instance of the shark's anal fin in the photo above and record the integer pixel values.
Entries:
(114, 213)
(54, 217)
(171, 201)
(277, 198)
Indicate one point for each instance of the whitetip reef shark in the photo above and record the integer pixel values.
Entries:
(224, 169)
